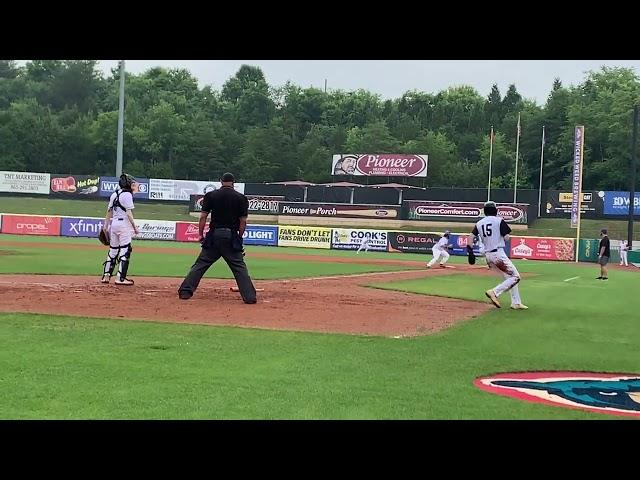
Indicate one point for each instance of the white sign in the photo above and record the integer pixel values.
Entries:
(162, 189)
(25, 182)
(351, 239)
(156, 230)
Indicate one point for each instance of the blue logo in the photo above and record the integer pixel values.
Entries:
(612, 393)
(81, 227)
(261, 235)
(617, 203)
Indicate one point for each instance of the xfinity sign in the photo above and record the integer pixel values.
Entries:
(81, 227)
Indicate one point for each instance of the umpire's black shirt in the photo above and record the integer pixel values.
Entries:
(226, 207)
(605, 243)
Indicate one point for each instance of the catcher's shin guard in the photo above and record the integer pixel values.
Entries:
(110, 263)
(124, 261)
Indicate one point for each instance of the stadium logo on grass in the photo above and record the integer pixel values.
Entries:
(609, 393)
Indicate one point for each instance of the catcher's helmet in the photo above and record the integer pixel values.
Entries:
(490, 209)
(126, 181)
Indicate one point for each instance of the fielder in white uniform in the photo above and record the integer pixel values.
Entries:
(624, 248)
(493, 232)
(120, 225)
(440, 250)
(364, 244)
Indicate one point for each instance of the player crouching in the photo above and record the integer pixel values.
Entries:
(494, 232)
(440, 250)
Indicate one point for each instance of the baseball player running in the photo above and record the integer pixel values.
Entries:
(493, 232)
(364, 244)
(440, 250)
(624, 248)
(119, 223)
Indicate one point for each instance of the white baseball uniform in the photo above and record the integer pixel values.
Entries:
(624, 248)
(365, 244)
(440, 250)
(120, 233)
(492, 230)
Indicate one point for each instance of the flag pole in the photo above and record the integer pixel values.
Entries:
(490, 155)
(541, 165)
(515, 182)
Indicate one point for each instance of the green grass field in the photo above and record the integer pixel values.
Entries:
(56, 367)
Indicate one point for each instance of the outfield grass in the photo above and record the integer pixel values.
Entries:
(81, 261)
(67, 367)
(547, 227)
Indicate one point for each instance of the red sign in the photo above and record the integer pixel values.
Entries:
(63, 184)
(188, 232)
(30, 225)
(538, 248)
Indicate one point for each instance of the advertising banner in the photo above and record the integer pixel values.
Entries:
(380, 165)
(81, 227)
(257, 204)
(24, 182)
(253, 235)
(558, 204)
(261, 235)
(461, 211)
(459, 242)
(75, 186)
(265, 205)
(338, 210)
(30, 225)
(412, 242)
(181, 190)
(576, 179)
(155, 230)
(351, 239)
(188, 232)
(108, 185)
(617, 203)
(538, 248)
(308, 237)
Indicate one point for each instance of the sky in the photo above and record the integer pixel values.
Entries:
(391, 78)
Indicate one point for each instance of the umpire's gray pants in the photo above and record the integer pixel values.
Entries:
(214, 248)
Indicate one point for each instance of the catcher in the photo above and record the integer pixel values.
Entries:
(117, 229)
(493, 232)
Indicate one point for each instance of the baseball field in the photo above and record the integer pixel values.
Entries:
(334, 335)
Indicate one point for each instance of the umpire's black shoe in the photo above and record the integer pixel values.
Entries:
(184, 295)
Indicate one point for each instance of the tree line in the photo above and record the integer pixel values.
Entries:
(61, 116)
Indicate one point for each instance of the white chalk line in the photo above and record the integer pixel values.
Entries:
(569, 279)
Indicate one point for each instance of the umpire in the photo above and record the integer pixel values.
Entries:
(229, 210)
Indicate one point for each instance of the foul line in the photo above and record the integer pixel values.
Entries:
(569, 279)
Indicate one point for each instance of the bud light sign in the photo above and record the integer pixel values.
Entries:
(81, 227)
(261, 235)
(108, 185)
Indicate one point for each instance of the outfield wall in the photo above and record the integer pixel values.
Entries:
(305, 236)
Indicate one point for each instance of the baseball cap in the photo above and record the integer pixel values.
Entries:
(603, 231)
(228, 177)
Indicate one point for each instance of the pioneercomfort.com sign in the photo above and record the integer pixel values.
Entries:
(308, 237)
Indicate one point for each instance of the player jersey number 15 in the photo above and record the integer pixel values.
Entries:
(486, 230)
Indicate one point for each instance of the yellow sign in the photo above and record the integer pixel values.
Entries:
(568, 197)
(308, 237)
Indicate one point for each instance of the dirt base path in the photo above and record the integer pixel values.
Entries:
(339, 304)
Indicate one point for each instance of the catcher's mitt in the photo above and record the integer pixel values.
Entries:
(103, 236)
(471, 257)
